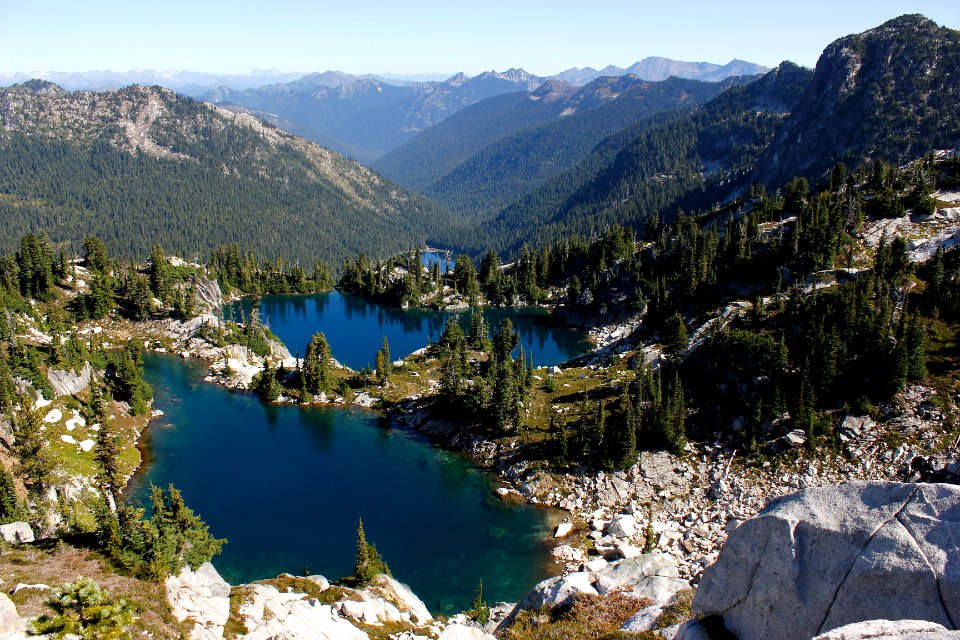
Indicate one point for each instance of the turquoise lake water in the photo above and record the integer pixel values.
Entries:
(286, 485)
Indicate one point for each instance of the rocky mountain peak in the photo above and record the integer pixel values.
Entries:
(457, 79)
(888, 92)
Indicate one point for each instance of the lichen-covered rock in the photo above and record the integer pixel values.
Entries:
(827, 557)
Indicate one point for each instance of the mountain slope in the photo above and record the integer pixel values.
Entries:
(437, 150)
(516, 164)
(143, 164)
(366, 117)
(657, 165)
(890, 92)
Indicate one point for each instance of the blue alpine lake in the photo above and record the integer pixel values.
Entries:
(355, 328)
(286, 485)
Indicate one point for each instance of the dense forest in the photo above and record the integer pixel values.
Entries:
(213, 181)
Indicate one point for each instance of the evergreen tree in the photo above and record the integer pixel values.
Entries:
(107, 449)
(368, 563)
(674, 338)
(384, 364)
(479, 610)
(159, 273)
(317, 373)
(10, 508)
(35, 462)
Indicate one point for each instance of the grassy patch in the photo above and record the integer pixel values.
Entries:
(587, 617)
(59, 563)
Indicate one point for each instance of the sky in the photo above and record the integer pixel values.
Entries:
(417, 36)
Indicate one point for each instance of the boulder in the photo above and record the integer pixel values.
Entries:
(9, 618)
(643, 620)
(464, 632)
(16, 533)
(622, 527)
(563, 530)
(827, 557)
(796, 438)
(201, 596)
(320, 581)
(890, 630)
(556, 591)
(633, 571)
(370, 610)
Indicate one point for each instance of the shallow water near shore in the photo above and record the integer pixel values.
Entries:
(355, 327)
(286, 485)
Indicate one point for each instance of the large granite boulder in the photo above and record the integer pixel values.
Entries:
(890, 630)
(831, 556)
(17, 532)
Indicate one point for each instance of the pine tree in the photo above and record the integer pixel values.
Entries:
(159, 273)
(107, 449)
(368, 563)
(35, 463)
(479, 610)
(384, 364)
(916, 350)
(317, 374)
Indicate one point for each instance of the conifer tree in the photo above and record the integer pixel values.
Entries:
(107, 449)
(368, 563)
(317, 375)
(384, 364)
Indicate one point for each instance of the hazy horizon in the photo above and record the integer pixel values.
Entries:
(423, 37)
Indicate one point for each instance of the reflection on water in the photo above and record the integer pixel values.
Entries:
(355, 327)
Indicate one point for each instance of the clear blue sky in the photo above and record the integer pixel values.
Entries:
(357, 36)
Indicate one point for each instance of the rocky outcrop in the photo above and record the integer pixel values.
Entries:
(68, 383)
(827, 557)
(267, 614)
(402, 597)
(209, 298)
(203, 597)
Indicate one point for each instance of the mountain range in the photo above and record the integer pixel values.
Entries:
(483, 157)
(511, 158)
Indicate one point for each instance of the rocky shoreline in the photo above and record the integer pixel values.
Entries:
(684, 504)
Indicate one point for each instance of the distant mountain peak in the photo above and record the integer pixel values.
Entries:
(654, 68)
(457, 79)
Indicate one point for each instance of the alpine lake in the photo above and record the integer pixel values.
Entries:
(286, 485)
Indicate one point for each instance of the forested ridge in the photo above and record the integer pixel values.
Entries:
(197, 178)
